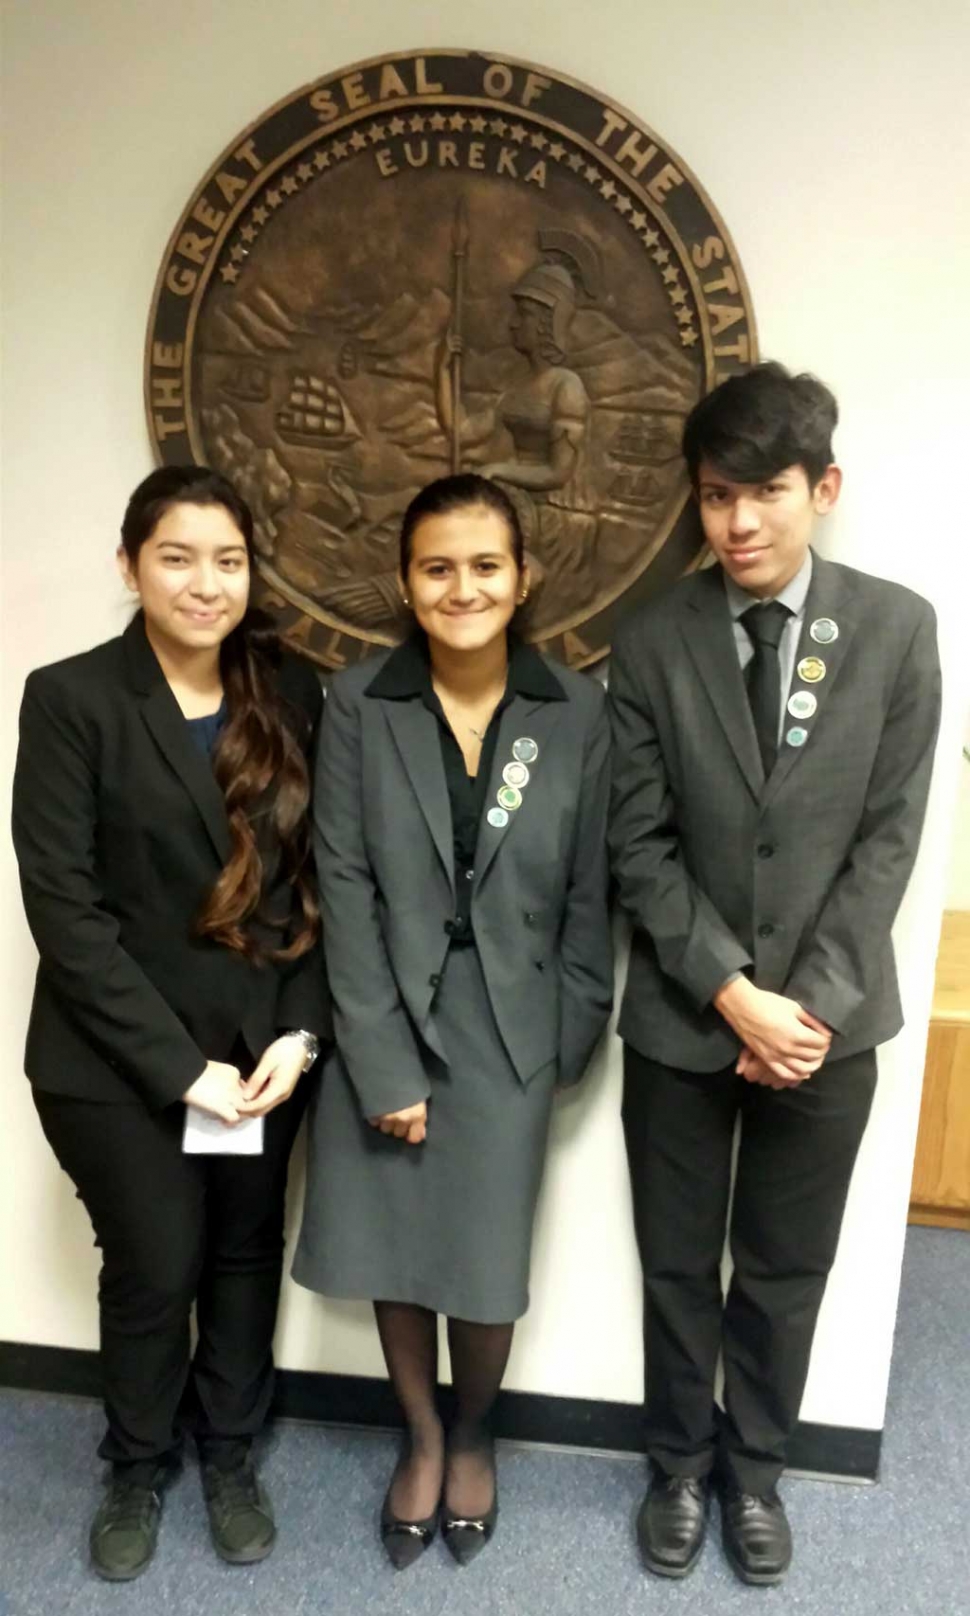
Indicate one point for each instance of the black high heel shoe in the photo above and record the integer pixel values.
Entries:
(467, 1535)
(404, 1541)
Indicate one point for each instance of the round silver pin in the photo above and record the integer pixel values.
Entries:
(497, 817)
(824, 630)
(796, 736)
(509, 797)
(802, 704)
(524, 750)
(515, 774)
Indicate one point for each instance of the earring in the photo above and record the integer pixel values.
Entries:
(524, 595)
(406, 601)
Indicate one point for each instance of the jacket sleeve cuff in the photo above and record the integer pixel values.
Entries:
(707, 970)
(165, 1088)
(830, 999)
(380, 1093)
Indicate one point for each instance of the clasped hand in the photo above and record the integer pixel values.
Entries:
(411, 1124)
(222, 1092)
(783, 1043)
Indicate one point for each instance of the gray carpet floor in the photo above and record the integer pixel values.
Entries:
(565, 1540)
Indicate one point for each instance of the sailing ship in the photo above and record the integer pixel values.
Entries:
(634, 485)
(248, 382)
(641, 438)
(316, 415)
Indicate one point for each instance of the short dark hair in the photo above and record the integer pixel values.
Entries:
(756, 423)
(461, 492)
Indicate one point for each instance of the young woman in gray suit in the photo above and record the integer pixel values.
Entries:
(460, 812)
(162, 829)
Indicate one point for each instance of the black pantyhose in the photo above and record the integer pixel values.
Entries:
(409, 1339)
(479, 1353)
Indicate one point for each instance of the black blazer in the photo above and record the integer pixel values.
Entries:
(120, 831)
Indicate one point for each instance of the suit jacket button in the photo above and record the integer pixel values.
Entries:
(540, 965)
(530, 920)
(434, 979)
(766, 930)
(451, 926)
(765, 849)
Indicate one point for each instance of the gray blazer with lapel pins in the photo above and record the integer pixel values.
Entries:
(385, 859)
(797, 878)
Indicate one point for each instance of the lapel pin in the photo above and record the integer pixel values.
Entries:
(525, 750)
(796, 736)
(497, 817)
(824, 630)
(811, 669)
(515, 774)
(802, 704)
(509, 797)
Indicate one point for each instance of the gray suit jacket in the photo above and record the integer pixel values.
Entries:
(797, 879)
(385, 858)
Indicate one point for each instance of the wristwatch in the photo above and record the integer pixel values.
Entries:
(310, 1042)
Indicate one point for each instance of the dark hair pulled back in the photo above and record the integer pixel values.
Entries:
(465, 491)
(259, 759)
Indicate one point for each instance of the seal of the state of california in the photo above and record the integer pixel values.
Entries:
(443, 261)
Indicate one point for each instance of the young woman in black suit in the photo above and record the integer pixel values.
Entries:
(160, 822)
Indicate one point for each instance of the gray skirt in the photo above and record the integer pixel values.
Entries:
(446, 1224)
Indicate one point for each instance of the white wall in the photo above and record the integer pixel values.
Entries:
(958, 881)
(833, 139)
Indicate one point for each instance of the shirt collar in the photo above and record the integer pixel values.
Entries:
(407, 673)
(794, 594)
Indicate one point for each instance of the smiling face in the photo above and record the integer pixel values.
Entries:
(760, 532)
(192, 577)
(462, 579)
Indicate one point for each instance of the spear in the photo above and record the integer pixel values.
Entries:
(459, 249)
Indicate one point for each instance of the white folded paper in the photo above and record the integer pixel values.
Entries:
(205, 1135)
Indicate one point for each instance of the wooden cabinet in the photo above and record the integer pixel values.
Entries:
(941, 1173)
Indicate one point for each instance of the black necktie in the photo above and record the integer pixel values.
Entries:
(764, 626)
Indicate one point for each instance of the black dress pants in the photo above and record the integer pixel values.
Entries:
(796, 1153)
(174, 1229)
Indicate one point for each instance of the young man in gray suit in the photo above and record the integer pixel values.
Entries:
(774, 721)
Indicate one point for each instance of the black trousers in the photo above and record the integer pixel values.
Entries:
(174, 1229)
(796, 1153)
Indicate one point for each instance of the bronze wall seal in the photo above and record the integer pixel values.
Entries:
(442, 260)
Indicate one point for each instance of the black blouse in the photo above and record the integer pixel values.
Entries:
(205, 731)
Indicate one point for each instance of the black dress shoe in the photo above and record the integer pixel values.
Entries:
(125, 1529)
(757, 1536)
(467, 1535)
(404, 1541)
(672, 1522)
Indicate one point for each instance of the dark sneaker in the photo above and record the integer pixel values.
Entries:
(240, 1515)
(125, 1529)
